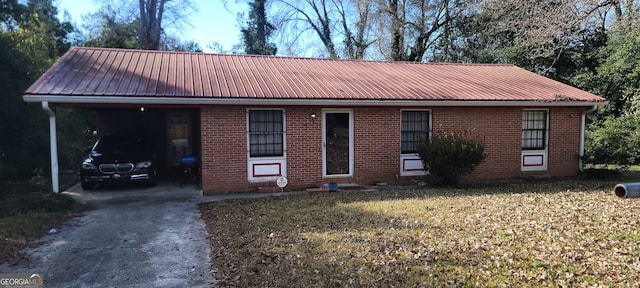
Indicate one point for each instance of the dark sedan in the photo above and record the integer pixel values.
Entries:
(116, 159)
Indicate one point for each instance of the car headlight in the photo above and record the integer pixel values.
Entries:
(88, 166)
(143, 165)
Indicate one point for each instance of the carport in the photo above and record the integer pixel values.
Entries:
(173, 131)
(128, 96)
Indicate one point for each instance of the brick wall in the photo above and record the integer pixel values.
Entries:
(564, 141)
(502, 131)
(304, 147)
(501, 128)
(224, 149)
(377, 144)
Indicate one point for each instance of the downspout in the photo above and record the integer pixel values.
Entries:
(53, 142)
(583, 124)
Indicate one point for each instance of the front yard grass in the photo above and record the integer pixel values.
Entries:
(531, 234)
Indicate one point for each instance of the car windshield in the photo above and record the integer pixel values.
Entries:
(118, 144)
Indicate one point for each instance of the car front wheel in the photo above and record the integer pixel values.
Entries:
(152, 178)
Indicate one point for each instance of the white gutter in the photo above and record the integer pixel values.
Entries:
(69, 99)
(53, 144)
(583, 124)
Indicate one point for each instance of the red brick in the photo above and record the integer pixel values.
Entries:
(377, 144)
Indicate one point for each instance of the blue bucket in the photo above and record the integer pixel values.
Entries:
(333, 187)
(188, 159)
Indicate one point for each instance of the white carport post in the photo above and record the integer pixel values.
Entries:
(53, 142)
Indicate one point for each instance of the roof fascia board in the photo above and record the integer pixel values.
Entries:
(66, 99)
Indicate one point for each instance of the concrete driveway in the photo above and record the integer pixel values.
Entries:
(135, 237)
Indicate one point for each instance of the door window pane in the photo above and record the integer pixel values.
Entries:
(337, 144)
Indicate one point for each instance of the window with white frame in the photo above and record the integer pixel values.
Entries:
(266, 133)
(534, 129)
(414, 129)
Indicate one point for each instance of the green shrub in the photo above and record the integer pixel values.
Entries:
(616, 141)
(449, 156)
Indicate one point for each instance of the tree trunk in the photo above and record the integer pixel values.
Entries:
(261, 20)
(397, 35)
(150, 23)
(360, 42)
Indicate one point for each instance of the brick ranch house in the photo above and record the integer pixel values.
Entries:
(251, 119)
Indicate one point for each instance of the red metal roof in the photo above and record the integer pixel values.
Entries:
(161, 74)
